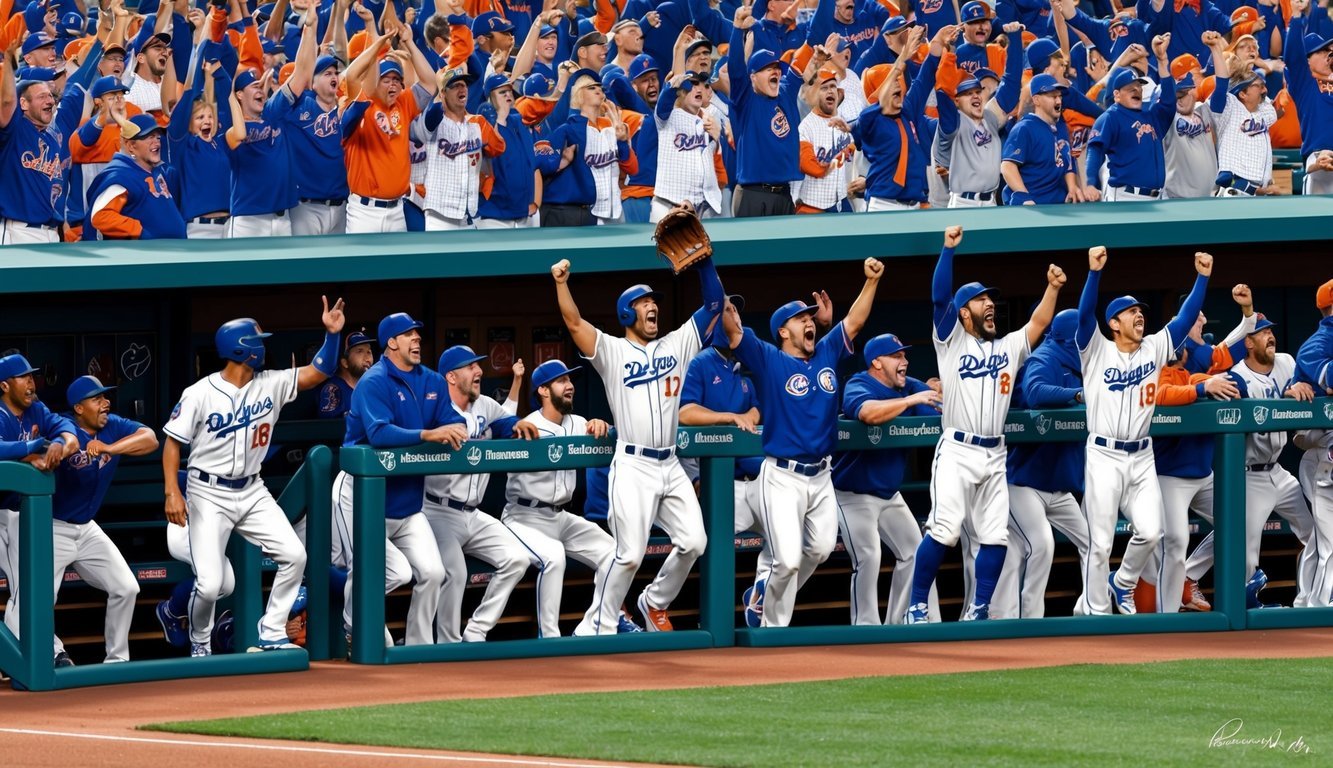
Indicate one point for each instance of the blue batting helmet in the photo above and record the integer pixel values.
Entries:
(624, 305)
(242, 341)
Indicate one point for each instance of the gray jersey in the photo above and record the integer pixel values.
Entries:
(1191, 154)
(973, 152)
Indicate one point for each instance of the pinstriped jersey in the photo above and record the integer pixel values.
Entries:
(1243, 146)
(832, 147)
(453, 165)
(555, 488)
(1121, 387)
(643, 383)
(228, 429)
(685, 160)
(1265, 447)
(978, 378)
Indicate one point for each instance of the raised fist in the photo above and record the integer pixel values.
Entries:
(560, 271)
(953, 236)
(1056, 276)
(1096, 257)
(1242, 296)
(874, 269)
(1203, 263)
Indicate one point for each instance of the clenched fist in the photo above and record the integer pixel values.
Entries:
(1242, 296)
(1203, 263)
(874, 269)
(1096, 257)
(953, 236)
(560, 271)
(1056, 277)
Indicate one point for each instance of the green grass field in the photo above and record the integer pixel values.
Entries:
(1146, 714)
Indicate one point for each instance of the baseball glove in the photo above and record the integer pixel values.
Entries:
(681, 238)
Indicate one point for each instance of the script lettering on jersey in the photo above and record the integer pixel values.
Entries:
(861, 36)
(448, 148)
(1254, 126)
(325, 124)
(1142, 129)
(601, 159)
(223, 424)
(1118, 380)
(974, 367)
(827, 155)
(684, 142)
(982, 136)
(46, 160)
(263, 132)
(637, 373)
(1190, 129)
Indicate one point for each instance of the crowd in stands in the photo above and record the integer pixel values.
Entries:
(226, 119)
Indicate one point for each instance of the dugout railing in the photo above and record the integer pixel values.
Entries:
(27, 658)
(717, 448)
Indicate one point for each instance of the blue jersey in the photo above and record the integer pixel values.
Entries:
(390, 407)
(1314, 360)
(1130, 142)
(716, 383)
(317, 149)
(878, 473)
(35, 162)
(81, 481)
(768, 145)
(204, 167)
(261, 165)
(1051, 378)
(884, 139)
(1041, 151)
(1188, 456)
(514, 189)
(35, 422)
(150, 198)
(1314, 99)
(335, 398)
(799, 398)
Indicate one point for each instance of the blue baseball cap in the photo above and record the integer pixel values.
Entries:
(883, 344)
(537, 85)
(496, 82)
(83, 388)
(1064, 325)
(109, 84)
(273, 47)
(245, 79)
(72, 24)
(139, 127)
(456, 357)
(546, 373)
(37, 40)
(1044, 83)
(786, 312)
(975, 11)
(1125, 77)
(1242, 80)
(489, 22)
(969, 292)
(37, 74)
(356, 339)
(967, 86)
(1262, 323)
(324, 62)
(15, 365)
(391, 67)
(1313, 43)
(982, 73)
(1121, 304)
(1185, 83)
(894, 24)
(547, 29)
(762, 59)
(396, 325)
(696, 45)
(1039, 53)
(642, 65)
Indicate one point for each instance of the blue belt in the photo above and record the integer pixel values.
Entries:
(1132, 446)
(1259, 467)
(809, 470)
(321, 201)
(978, 440)
(1245, 186)
(222, 482)
(446, 502)
(1144, 191)
(661, 454)
(535, 504)
(984, 197)
(379, 203)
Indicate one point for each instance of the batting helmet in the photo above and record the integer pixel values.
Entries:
(1064, 326)
(624, 305)
(242, 341)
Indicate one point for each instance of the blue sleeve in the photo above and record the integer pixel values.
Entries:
(912, 387)
(351, 118)
(1095, 30)
(665, 102)
(70, 112)
(1293, 54)
(948, 114)
(709, 20)
(941, 295)
(753, 353)
(821, 24)
(178, 127)
(278, 106)
(924, 82)
(372, 407)
(711, 285)
(118, 428)
(1082, 104)
(1009, 91)
(1016, 144)
(1164, 109)
(433, 116)
(1096, 150)
(18, 449)
(1218, 101)
(622, 151)
(1038, 389)
(1180, 325)
(1313, 362)
(87, 71)
(876, 53)
(692, 391)
(738, 71)
(503, 428)
(1087, 310)
(89, 133)
(855, 394)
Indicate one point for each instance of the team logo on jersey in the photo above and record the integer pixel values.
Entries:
(329, 399)
(929, 6)
(82, 460)
(874, 435)
(555, 453)
(1061, 151)
(175, 412)
(448, 148)
(974, 367)
(401, 397)
(1254, 126)
(1142, 129)
(637, 373)
(1042, 423)
(388, 124)
(827, 380)
(474, 456)
(46, 160)
(982, 136)
(1260, 415)
(716, 379)
(1118, 380)
(223, 424)
(779, 125)
(388, 459)
(1190, 129)
(682, 439)
(601, 159)
(432, 395)
(684, 142)
(1328, 411)
(1228, 416)
(326, 124)
(798, 385)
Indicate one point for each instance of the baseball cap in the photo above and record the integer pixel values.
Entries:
(489, 22)
(109, 84)
(1313, 44)
(826, 73)
(163, 38)
(588, 35)
(1039, 53)
(15, 365)
(1045, 83)
(762, 58)
(696, 45)
(967, 86)
(1119, 20)
(1323, 298)
(1185, 83)
(582, 73)
(391, 67)
(1121, 304)
(495, 82)
(139, 127)
(324, 62)
(642, 65)
(1125, 77)
(244, 80)
(1242, 80)
(356, 339)
(273, 47)
(546, 373)
(894, 24)
(537, 85)
(1064, 325)
(975, 11)
(969, 292)
(883, 344)
(1261, 323)
(395, 325)
(1183, 64)
(83, 388)
(285, 72)
(456, 357)
(547, 29)
(983, 73)
(72, 24)
(786, 312)
(37, 40)
(37, 74)
(457, 74)
(623, 24)
(76, 48)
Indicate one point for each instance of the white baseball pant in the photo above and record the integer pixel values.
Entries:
(937, 188)
(312, 217)
(967, 482)
(880, 204)
(472, 532)
(9, 550)
(410, 554)
(745, 503)
(252, 512)
(97, 560)
(436, 222)
(1164, 565)
(956, 200)
(178, 545)
(553, 536)
(198, 230)
(800, 519)
(1316, 477)
(1122, 195)
(864, 521)
(1316, 182)
(643, 492)
(1021, 589)
(260, 225)
(1114, 481)
(535, 220)
(366, 218)
(659, 209)
(18, 233)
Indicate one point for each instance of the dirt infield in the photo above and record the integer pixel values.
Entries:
(96, 726)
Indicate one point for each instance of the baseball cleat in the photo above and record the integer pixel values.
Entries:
(1252, 588)
(654, 620)
(273, 645)
(174, 628)
(626, 625)
(977, 612)
(753, 602)
(200, 649)
(1193, 599)
(63, 660)
(917, 613)
(1123, 599)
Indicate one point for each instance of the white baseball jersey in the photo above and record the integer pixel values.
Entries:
(478, 416)
(228, 429)
(831, 147)
(417, 156)
(853, 97)
(643, 383)
(1265, 447)
(144, 94)
(1191, 155)
(1121, 387)
(453, 162)
(978, 378)
(602, 157)
(1243, 146)
(685, 153)
(555, 488)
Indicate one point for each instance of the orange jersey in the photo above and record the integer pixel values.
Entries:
(378, 152)
(107, 144)
(1286, 132)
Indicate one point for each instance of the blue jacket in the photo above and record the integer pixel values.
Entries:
(1050, 378)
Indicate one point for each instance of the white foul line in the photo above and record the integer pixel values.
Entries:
(311, 750)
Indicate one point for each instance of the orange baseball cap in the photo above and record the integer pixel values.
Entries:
(75, 49)
(1323, 298)
(357, 44)
(1243, 20)
(1206, 87)
(286, 72)
(1183, 64)
(827, 73)
(873, 78)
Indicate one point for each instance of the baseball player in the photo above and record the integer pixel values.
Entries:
(335, 397)
(797, 389)
(537, 503)
(452, 503)
(30, 433)
(1309, 74)
(1120, 386)
(398, 403)
(827, 150)
(968, 479)
(81, 484)
(1243, 115)
(642, 375)
(227, 421)
(1316, 476)
(587, 191)
(866, 483)
(318, 164)
(1037, 166)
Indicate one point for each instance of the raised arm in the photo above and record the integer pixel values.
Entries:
(1045, 311)
(1087, 301)
(860, 309)
(583, 333)
(325, 363)
(1010, 89)
(941, 286)
(1248, 319)
(306, 54)
(1180, 325)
